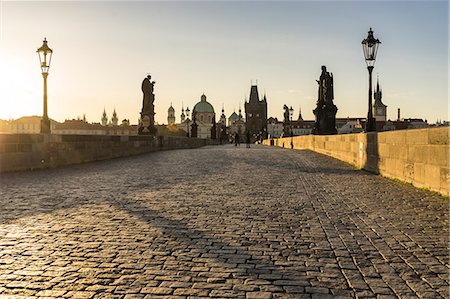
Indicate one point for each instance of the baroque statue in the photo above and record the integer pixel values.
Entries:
(325, 111)
(286, 122)
(147, 120)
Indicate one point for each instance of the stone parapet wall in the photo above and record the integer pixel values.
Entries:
(35, 151)
(418, 156)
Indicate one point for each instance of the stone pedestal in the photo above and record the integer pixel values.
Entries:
(325, 120)
(194, 128)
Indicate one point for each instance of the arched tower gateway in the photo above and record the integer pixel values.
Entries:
(256, 113)
(380, 109)
(205, 115)
(171, 115)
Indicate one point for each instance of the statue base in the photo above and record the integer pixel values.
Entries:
(194, 128)
(147, 124)
(151, 130)
(45, 126)
(325, 120)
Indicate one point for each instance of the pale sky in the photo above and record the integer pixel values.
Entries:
(103, 50)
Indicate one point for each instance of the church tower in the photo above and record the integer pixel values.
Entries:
(104, 118)
(380, 109)
(171, 115)
(223, 118)
(114, 119)
(182, 116)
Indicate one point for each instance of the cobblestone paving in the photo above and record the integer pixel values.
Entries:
(220, 222)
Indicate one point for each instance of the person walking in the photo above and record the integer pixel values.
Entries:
(248, 139)
(236, 139)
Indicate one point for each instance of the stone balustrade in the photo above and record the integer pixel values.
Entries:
(35, 151)
(418, 156)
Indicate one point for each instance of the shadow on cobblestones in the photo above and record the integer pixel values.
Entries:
(220, 222)
(246, 261)
(26, 194)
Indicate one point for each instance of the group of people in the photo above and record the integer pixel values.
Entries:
(237, 140)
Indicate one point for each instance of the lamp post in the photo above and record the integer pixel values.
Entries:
(370, 48)
(187, 121)
(45, 57)
(291, 113)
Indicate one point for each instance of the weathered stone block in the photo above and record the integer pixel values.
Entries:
(383, 149)
(445, 181)
(417, 153)
(408, 169)
(419, 172)
(382, 137)
(395, 137)
(354, 147)
(438, 135)
(438, 155)
(390, 166)
(433, 176)
(417, 136)
(382, 164)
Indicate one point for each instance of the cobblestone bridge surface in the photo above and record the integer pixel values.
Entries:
(220, 222)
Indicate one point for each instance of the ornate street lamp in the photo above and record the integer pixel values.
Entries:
(187, 121)
(370, 47)
(45, 57)
(291, 113)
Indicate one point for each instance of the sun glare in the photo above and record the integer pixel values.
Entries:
(18, 93)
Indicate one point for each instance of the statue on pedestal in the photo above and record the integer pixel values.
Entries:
(213, 128)
(286, 121)
(147, 121)
(194, 126)
(325, 111)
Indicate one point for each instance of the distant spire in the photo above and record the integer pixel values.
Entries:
(378, 95)
(378, 83)
(300, 118)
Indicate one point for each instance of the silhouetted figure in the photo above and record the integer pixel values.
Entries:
(286, 121)
(248, 139)
(214, 128)
(147, 121)
(325, 111)
(194, 126)
(223, 133)
(236, 140)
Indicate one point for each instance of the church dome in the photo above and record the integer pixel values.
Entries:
(203, 106)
